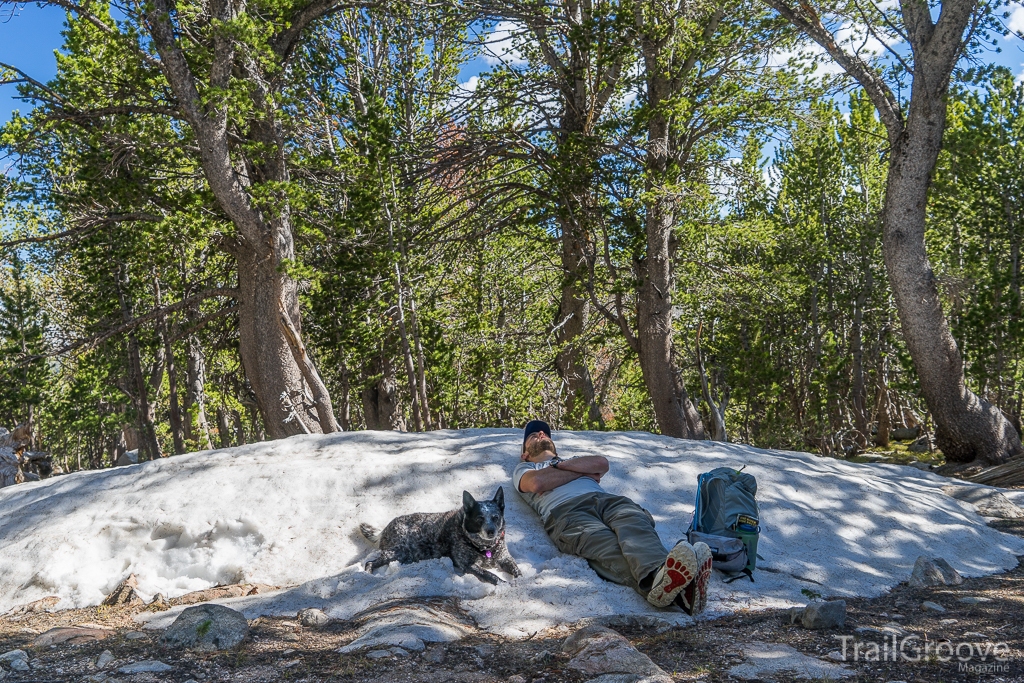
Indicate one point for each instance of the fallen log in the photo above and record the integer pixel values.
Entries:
(1008, 474)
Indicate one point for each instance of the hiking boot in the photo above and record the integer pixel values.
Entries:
(679, 570)
(694, 596)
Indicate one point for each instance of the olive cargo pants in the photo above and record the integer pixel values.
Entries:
(614, 534)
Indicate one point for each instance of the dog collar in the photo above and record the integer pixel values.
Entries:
(488, 552)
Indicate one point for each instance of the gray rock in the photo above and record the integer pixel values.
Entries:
(104, 660)
(291, 637)
(207, 627)
(638, 621)
(379, 654)
(313, 618)
(12, 655)
(147, 666)
(517, 678)
(986, 500)
(922, 445)
(627, 678)
(934, 572)
(19, 665)
(765, 660)
(486, 650)
(929, 606)
(947, 622)
(822, 615)
(434, 655)
(542, 657)
(917, 464)
(399, 652)
(975, 634)
(905, 433)
(136, 635)
(598, 651)
(409, 626)
(974, 600)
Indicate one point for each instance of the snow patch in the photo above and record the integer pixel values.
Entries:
(286, 513)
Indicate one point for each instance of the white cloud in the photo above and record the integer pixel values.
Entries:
(470, 85)
(1015, 23)
(499, 48)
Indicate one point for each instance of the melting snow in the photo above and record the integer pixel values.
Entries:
(286, 513)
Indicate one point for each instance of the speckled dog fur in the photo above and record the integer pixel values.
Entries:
(466, 535)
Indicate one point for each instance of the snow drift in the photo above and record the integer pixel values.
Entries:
(286, 513)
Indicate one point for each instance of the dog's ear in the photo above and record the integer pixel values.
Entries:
(499, 498)
(468, 501)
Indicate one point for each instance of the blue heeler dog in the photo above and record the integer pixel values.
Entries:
(473, 536)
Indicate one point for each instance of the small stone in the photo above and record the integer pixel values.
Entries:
(934, 572)
(292, 664)
(291, 637)
(313, 618)
(929, 606)
(399, 652)
(974, 634)
(147, 666)
(866, 629)
(136, 635)
(541, 657)
(767, 660)
(516, 678)
(836, 656)
(485, 650)
(974, 600)
(824, 615)
(379, 654)
(104, 660)
(288, 652)
(947, 622)
(12, 655)
(19, 665)
(434, 655)
(987, 501)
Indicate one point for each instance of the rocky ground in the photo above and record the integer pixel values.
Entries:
(109, 646)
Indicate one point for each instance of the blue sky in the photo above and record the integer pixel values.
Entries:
(29, 35)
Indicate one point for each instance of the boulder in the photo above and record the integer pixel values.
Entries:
(929, 606)
(16, 659)
(313, 618)
(602, 652)
(987, 501)
(822, 614)
(208, 628)
(905, 433)
(934, 572)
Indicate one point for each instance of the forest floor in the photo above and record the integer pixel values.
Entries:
(279, 649)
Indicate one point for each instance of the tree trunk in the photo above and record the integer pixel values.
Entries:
(195, 394)
(570, 324)
(858, 389)
(967, 426)
(380, 399)
(223, 430)
(276, 363)
(174, 412)
(675, 413)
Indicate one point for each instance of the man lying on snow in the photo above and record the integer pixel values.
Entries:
(614, 534)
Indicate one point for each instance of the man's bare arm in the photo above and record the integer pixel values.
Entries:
(540, 481)
(585, 464)
(547, 479)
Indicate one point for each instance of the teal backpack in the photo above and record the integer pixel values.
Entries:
(726, 517)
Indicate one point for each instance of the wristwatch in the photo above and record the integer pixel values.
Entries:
(554, 462)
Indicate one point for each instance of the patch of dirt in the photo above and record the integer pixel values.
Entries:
(279, 649)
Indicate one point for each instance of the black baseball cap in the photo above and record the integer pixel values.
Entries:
(534, 426)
